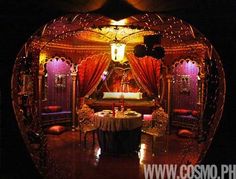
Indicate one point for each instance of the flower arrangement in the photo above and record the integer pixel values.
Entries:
(160, 115)
(85, 113)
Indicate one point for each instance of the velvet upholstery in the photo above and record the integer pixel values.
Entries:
(185, 133)
(55, 130)
(50, 109)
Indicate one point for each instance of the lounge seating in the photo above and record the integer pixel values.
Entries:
(119, 95)
(53, 118)
(185, 118)
(141, 106)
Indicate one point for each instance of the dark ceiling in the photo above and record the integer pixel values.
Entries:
(112, 8)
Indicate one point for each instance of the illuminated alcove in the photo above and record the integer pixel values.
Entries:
(67, 63)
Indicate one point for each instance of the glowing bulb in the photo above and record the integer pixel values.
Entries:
(117, 51)
(120, 22)
(42, 57)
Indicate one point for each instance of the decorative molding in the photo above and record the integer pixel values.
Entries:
(46, 60)
(181, 60)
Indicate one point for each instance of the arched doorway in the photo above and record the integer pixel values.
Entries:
(57, 84)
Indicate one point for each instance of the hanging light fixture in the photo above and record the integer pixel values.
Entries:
(117, 51)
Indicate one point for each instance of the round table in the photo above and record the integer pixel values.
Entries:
(118, 134)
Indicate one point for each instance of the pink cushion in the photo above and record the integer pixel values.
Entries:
(56, 130)
(195, 113)
(49, 109)
(182, 111)
(185, 133)
(147, 117)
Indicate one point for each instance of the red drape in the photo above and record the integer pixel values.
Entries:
(89, 73)
(146, 71)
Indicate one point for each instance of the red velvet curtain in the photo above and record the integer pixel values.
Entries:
(89, 73)
(146, 71)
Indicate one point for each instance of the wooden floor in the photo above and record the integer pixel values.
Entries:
(69, 159)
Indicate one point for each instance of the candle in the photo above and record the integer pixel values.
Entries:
(113, 109)
(122, 105)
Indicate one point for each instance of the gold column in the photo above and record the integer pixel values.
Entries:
(43, 143)
(169, 80)
(202, 86)
(73, 76)
(40, 77)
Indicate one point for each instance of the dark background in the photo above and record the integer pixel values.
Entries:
(216, 19)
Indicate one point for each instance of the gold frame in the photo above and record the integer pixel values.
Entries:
(60, 80)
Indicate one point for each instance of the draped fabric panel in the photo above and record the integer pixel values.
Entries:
(146, 72)
(89, 73)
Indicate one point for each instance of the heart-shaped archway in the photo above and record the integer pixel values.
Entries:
(77, 40)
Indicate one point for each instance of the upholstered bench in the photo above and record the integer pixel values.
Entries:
(52, 115)
(185, 118)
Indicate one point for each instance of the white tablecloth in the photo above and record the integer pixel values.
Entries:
(107, 122)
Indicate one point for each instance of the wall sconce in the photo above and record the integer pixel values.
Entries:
(117, 51)
(42, 57)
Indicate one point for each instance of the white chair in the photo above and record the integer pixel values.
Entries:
(86, 123)
(157, 128)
